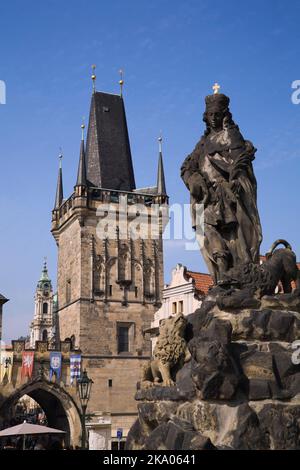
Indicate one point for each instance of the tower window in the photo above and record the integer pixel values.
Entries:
(136, 290)
(110, 290)
(68, 291)
(180, 304)
(123, 339)
(45, 307)
(174, 307)
(110, 382)
(45, 336)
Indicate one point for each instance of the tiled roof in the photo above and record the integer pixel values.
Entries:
(202, 281)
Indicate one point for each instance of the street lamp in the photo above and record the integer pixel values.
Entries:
(84, 385)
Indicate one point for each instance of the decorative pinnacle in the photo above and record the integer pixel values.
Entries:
(160, 142)
(121, 81)
(82, 129)
(93, 77)
(60, 156)
(216, 87)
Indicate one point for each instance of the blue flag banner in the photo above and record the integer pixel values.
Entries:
(75, 367)
(55, 365)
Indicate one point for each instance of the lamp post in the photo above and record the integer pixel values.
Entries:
(84, 385)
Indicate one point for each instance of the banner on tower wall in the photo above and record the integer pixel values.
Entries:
(27, 364)
(6, 365)
(75, 367)
(55, 365)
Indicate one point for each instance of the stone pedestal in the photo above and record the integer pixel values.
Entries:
(99, 432)
(241, 389)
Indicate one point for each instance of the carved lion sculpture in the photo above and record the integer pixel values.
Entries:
(170, 352)
(252, 280)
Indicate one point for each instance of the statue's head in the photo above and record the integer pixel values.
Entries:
(217, 114)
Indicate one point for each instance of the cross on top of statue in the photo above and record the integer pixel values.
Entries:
(216, 87)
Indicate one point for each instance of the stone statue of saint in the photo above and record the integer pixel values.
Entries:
(219, 175)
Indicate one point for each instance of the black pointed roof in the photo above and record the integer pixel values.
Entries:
(3, 299)
(59, 189)
(108, 155)
(81, 174)
(161, 183)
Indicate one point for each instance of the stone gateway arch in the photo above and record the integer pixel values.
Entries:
(58, 400)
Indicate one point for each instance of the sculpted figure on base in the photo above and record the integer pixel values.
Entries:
(170, 353)
(247, 283)
(219, 175)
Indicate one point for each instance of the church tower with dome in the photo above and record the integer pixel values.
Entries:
(43, 326)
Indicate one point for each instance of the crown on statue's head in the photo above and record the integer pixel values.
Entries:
(217, 102)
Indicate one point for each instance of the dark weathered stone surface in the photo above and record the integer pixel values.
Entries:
(151, 414)
(213, 369)
(177, 428)
(282, 424)
(136, 437)
(262, 325)
(161, 393)
(259, 389)
(258, 365)
(185, 383)
(240, 390)
(216, 330)
(174, 434)
(156, 440)
(281, 302)
(293, 384)
(195, 441)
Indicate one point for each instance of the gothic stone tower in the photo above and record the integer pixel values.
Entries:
(42, 328)
(109, 282)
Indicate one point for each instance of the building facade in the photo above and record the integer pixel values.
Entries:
(110, 265)
(184, 295)
(43, 326)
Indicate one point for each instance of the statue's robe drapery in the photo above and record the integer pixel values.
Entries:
(232, 227)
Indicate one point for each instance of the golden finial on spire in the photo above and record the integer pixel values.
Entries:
(121, 81)
(82, 128)
(216, 87)
(160, 142)
(93, 77)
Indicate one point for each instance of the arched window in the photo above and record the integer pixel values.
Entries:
(45, 335)
(45, 307)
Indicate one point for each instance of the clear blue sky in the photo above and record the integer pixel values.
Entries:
(172, 52)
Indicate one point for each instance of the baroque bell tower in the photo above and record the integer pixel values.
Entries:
(110, 255)
(43, 326)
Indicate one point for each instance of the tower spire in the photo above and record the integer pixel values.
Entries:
(161, 184)
(45, 276)
(81, 174)
(121, 82)
(59, 188)
(93, 77)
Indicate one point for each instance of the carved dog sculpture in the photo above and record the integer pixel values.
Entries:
(254, 281)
